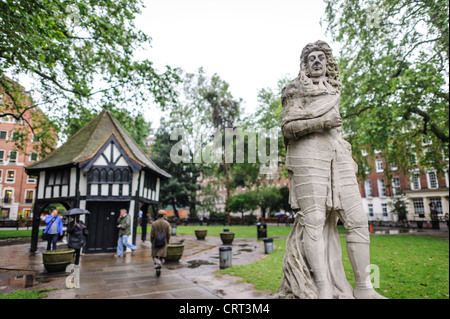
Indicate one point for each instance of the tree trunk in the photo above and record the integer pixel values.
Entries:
(227, 184)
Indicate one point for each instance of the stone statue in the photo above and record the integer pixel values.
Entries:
(323, 187)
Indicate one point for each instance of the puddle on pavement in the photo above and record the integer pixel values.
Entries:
(246, 250)
(197, 263)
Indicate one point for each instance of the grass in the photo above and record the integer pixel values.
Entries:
(17, 233)
(27, 294)
(411, 267)
(240, 231)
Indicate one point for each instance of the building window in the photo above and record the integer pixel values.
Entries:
(2, 156)
(396, 186)
(415, 181)
(29, 196)
(5, 213)
(419, 208)
(8, 198)
(3, 135)
(13, 156)
(384, 209)
(15, 136)
(436, 204)
(34, 157)
(371, 210)
(381, 188)
(10, 176)
(364, 152)
(368, 188)
(109, 175)
(26, 213)
(58, 177)
(379, 166)
(432, 180)
(31, 179)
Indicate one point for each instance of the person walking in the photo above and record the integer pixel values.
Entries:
(124, 225)
(53, 230)
(77, 236)
(159, 236)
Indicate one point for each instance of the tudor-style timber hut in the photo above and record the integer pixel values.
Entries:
(101, 169)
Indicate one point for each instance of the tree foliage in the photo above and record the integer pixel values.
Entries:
(78, 54)
(394, 68)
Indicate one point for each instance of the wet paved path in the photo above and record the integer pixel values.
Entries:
(103, 276)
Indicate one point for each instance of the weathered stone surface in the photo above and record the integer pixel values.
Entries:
(323, 186)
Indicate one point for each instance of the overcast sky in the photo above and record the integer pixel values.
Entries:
(250, 44)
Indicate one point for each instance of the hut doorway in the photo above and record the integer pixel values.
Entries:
(102, 225)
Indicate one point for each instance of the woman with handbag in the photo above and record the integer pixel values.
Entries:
(53, 230)
(77, 236)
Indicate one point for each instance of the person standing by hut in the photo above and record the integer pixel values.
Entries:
(124, 225)
(159, 236)
(54, 229)
(77, 236)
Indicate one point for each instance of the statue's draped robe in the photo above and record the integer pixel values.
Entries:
(321, 169)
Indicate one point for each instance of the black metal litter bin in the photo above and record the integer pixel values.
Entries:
(262, 230)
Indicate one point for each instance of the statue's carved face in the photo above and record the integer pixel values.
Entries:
(317, 64)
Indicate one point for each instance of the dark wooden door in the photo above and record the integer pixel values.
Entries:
(102, 226)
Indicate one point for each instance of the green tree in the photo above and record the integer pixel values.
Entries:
(180, 189)
(78, 54)
(244, 202)
(394, 70)
(269, 199)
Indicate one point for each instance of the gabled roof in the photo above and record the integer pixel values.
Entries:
(85, 144)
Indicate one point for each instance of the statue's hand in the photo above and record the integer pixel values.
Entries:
(332, 119)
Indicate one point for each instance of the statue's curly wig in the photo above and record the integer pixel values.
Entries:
(332, 67)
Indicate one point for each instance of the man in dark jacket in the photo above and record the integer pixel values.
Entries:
(77, 236)
(159, 251)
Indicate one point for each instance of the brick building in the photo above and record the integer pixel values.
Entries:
(19, 147)
(16, 187)
(423, 191)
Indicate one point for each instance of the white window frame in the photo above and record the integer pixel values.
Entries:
(37, 157)
(379, 166)
(31, 180)
(6, 136)
(429, 180)
(16, 159)
(415, 174)
(364, 152)
(6, 176)
(32, 196)
(381, 187)
(370, 208)
(384, 210)
(368, 188)
(396, 186)
(12, 195)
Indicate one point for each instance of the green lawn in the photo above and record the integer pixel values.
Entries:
(16, 233)
(240, 231)
(411, 267)
(27, 294)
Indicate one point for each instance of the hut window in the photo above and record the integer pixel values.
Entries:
(117, 176)
(103, 176)
(58, 177)
(110, 176)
